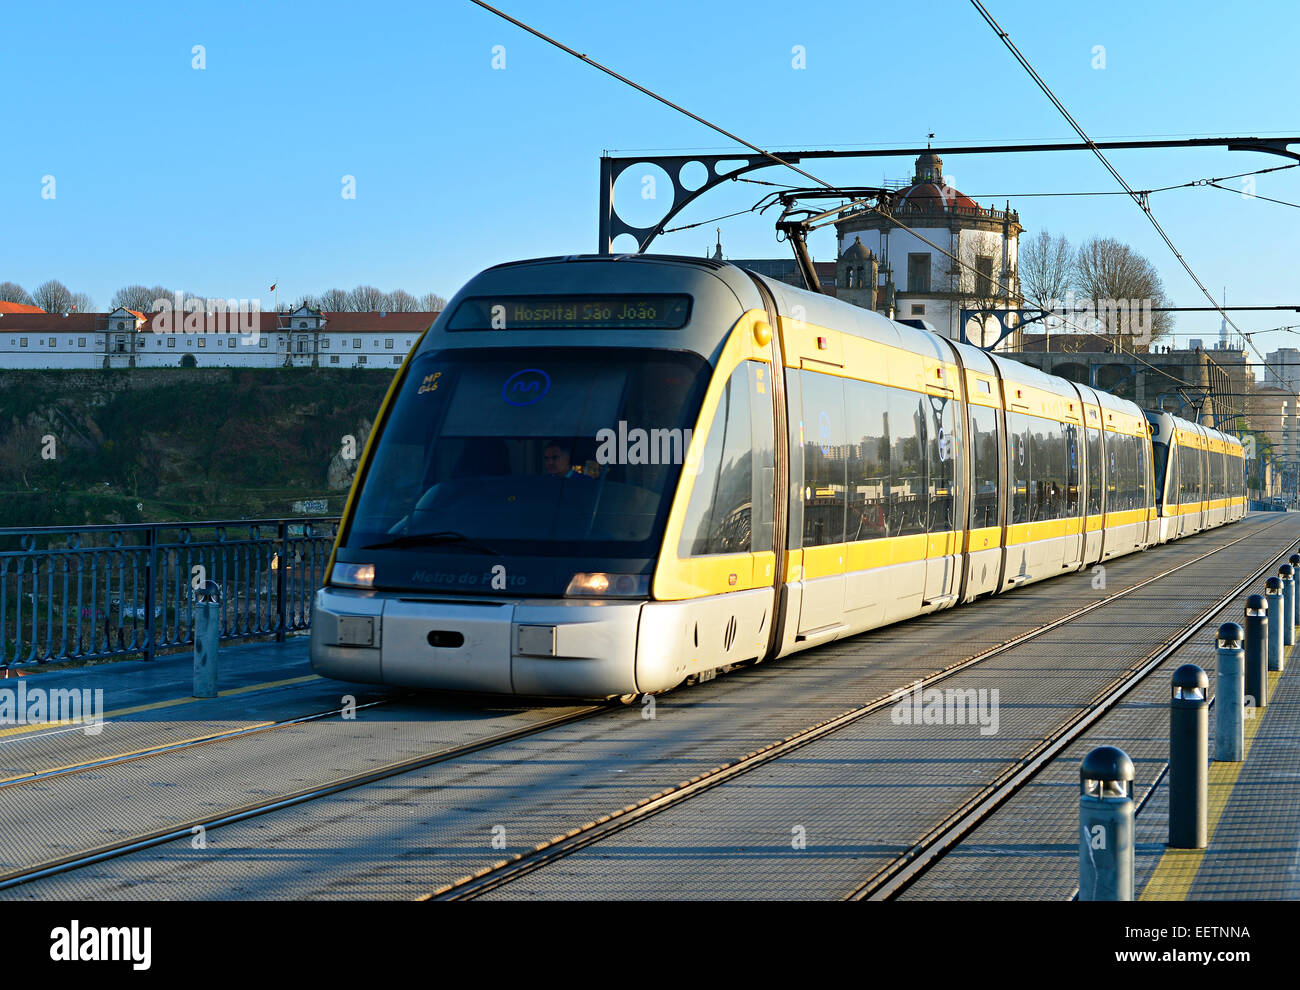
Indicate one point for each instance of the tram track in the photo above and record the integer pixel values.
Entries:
(563, 845)
(894, 877)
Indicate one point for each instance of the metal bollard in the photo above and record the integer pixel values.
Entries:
(1288, 604)
(1106, 826)
(1256, 675)
(1294, 560)
(207, 633)
(1273, 599)
(1189, 756)
(1229, 719)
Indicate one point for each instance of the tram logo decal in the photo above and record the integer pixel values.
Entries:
(525, 387)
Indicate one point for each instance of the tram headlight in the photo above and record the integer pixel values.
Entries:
(353, 575)
(603, 584)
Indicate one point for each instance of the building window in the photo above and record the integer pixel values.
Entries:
(189, 341)
(918, 309)
(302, 324)
(121, 324)
(203, 341)
(171, 341)
(324, 343)
(356, 343)
(54, 342)
(984, 275)
(121, 344)
(361, 359)
(334, 359)
(388, 344)
(396, 359)
(232, 341)
(262, 342)
(81, 341)
(22, 342)
(918, 273)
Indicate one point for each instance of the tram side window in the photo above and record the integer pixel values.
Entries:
(794, 423)
(1160, 466)
(825, 459)
(941, 457)
(1071, 469)
(984, 441)
(1095, 454)
(1115, 498)
(1142, 492)
(720, 516)
(907, 447)
(867, 418)
(1174, 485)
(1020, 460)
(1048, 456)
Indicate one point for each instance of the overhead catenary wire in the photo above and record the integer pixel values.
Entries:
(822, 182)
(1140, 200)
(648, 92)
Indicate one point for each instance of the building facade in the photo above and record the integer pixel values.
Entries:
(129, 339)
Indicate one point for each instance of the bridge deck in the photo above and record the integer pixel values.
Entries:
(812, 824)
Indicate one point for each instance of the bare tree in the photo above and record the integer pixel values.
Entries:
(53, 297)
(136, 297)
(155, 293)
(15, 293)
(431, 302)
(401, 301)
(1046, 269)
(335, 301)
(82, 303)
(367, 299)
(1122, 287)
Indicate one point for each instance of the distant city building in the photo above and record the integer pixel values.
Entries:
(125, 338)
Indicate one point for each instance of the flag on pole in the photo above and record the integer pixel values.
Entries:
(273, 285)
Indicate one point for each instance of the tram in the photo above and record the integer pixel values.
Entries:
(604, 476)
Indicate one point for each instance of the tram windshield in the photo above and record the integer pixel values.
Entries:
(559, 452)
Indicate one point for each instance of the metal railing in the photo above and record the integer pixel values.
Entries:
(97, 592)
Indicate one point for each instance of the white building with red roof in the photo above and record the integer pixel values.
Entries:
(917, 280)
(213, 339)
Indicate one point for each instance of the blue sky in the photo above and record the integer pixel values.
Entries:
(222, 180)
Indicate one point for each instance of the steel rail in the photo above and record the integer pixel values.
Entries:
(898, 875)
(147, 840)
(508, 870)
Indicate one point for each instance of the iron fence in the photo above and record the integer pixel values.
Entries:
(96, 592)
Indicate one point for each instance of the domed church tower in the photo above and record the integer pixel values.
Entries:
(856, 275)
(927, 284)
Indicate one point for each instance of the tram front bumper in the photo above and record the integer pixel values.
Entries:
(550, 647)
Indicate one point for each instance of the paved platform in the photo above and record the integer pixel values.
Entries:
(858, 796)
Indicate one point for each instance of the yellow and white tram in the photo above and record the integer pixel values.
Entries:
(601, 476)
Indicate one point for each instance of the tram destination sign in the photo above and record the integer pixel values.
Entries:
(606, 312)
